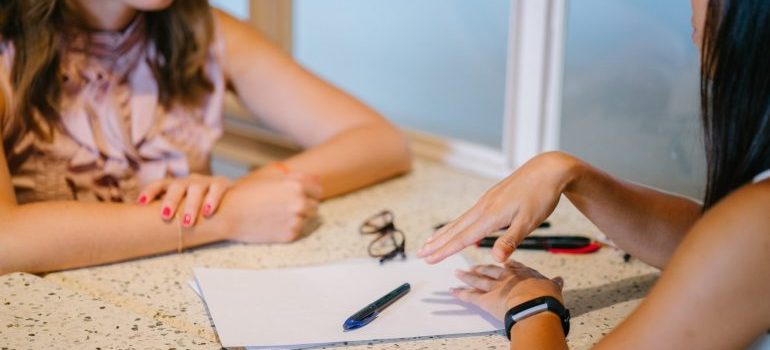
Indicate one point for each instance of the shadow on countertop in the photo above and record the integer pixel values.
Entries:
(581, 301)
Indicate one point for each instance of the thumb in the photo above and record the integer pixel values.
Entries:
(505, 245)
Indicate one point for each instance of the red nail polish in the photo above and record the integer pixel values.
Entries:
(187, 220)
(142, 199)
(207, 209)
(166, 212)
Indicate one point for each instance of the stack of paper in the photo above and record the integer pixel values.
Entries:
(307, 306)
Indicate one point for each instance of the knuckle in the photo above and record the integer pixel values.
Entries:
(195, 188)
(507, 241)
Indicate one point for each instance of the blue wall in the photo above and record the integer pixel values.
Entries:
(631, 91)
(432, 65)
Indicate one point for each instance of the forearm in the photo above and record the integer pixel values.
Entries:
(51, 236)
(356, 158)
(541, 331)
(646, 223)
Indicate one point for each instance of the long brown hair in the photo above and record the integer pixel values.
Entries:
(180, 33)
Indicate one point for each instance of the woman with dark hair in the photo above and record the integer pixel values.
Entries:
(714, 292)
(108, 114)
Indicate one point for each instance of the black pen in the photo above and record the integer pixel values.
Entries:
(371, 311)
(553, 244)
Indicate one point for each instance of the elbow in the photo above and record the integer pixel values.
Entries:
(7, 260)
(5, 267)
(401, 157)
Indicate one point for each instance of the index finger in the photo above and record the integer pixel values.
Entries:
(458, 242)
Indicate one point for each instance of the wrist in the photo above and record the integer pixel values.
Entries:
(545, 324)
(531, 289)
(571, 170)
(520, 298)
(529, 315)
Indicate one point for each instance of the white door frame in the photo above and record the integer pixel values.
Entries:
(532, 107)
(532, 97)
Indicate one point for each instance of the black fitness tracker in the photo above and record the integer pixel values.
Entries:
(533, 307)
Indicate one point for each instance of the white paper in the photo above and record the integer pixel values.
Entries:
(307, 306)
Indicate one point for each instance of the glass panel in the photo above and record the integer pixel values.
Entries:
(236, 8)
(434, 65)
(631, 92)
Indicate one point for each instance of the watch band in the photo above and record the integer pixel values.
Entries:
(536, 306)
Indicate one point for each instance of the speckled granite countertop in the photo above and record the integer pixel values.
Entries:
(147, 303)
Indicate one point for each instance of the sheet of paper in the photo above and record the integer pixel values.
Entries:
(307, 306)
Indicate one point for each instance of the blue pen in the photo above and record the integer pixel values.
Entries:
(371, 311)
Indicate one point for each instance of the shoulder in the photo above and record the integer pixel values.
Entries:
(229, 27)
(713, 293)
(746, 212)
(737, 229)
(238, 35)
(244, 47)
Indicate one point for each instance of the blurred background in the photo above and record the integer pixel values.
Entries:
(483, 85)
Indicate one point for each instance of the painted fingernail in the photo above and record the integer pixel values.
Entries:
(142, 199)
(207, 209)
(187, 220)
(166, 213)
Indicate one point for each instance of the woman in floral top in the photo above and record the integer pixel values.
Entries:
(109, 111)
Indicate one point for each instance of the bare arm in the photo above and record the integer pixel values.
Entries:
(58, 235)
(647, 223)
(348, 144)
(713, 294)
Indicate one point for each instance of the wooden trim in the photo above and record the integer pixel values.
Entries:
(274, 19)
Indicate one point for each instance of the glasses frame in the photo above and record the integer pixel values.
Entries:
(385, 229)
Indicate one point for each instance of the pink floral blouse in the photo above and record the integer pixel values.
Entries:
(114, 137)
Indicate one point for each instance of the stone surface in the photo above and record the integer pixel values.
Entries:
(600, 288)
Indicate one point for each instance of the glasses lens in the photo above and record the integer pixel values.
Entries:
(387, 244)
(378, 223)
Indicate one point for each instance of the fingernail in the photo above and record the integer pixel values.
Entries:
(186, 220)
(206, 210)
(142, 199)
(166, 213)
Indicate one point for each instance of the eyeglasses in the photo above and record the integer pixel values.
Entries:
(390, 241)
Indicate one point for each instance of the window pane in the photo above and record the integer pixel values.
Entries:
(236, 8)
(433, 65)
(631, 92)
